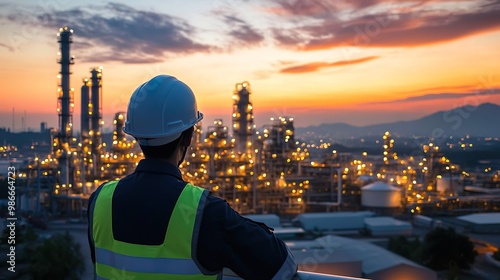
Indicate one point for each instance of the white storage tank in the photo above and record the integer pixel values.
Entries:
(380, 194)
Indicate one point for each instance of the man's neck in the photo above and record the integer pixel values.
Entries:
(174, 159)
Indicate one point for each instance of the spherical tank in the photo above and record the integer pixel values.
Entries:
(380, 194)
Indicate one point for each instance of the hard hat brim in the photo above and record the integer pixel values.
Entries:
(153, 140)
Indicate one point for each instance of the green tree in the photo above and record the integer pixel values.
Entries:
(404, 247)
(496, 255)
(444, 248)
(29, 235)
(58, 257)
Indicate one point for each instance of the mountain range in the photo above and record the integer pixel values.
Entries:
(481, 121)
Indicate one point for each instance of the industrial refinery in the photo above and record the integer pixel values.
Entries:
(323, 194)
(257, 170)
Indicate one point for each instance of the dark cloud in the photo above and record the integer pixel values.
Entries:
(242, 31)
(440, 88)
(383, 24)
(287, 37)
(319, 8)
(315, 66)
(304, 7)
(123, 33)
(444, 95)
(119, 55)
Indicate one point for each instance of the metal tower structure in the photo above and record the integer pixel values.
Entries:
(243, 126)
(96, 117)
(85, 110)
(119, 144)
(84, 133)
(65, 92)
(96, 86)
(388, 147)
(282, 135)
(119, 123)
(65, 110)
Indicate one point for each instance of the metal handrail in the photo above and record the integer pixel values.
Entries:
(302, 275)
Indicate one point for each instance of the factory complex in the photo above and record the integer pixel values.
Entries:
(322, 200)
(257, 170)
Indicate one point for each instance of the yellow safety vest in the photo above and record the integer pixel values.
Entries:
(170, 260)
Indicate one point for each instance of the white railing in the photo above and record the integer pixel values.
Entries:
(301, 275)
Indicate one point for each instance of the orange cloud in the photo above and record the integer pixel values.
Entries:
(315, 66)
(477, 94)
(392, 27)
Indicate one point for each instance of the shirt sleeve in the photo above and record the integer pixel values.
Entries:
(248, 248)
(90, 210)
(89, 228)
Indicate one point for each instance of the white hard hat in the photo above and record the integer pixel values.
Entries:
(160, 110)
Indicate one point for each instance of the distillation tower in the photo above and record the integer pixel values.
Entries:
(85, 111)
(96, 118)
(85, 149)
(388, 147)
(92, 146)
(65, 93)
(65, 109)
(243, 126)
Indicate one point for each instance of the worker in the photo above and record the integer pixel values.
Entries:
(152, 224)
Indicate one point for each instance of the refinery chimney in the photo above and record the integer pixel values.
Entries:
(96, 117)
(242, 117)
(96, 81)
(65, 93)
(84, 132)
(85, 110)
(65, 110)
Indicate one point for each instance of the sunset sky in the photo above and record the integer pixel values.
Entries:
(358, 61)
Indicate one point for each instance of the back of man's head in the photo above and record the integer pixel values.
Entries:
(161, 115)
(167, 150)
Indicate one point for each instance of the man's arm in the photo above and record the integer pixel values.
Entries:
(90, 210)
(248, 248)
(89, 228)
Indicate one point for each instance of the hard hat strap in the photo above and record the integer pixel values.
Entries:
(183, 155)
(185, 141)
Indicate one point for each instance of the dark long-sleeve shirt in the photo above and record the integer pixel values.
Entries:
(144, 200)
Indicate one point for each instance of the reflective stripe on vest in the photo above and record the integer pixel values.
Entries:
(170, 260)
